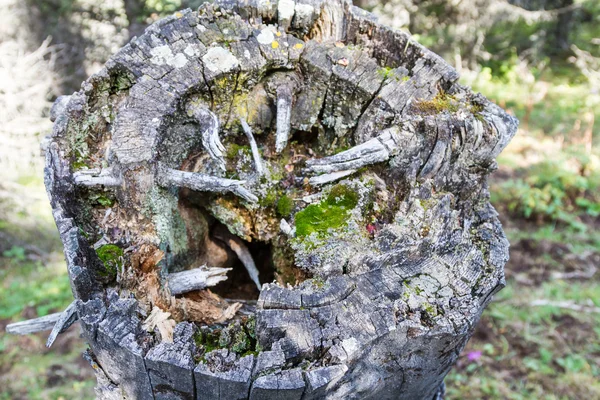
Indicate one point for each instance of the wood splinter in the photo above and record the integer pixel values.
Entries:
(260, 170)
(328, 178)
(373, 151)
(57, 322)
(64, 322)
(204, 183)
(284, 117)
(195, 279)
(210, 135)
(242, 252)
(96, 177)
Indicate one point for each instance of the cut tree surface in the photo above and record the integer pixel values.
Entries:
(325, 172)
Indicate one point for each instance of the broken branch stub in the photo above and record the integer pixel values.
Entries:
(301, 142)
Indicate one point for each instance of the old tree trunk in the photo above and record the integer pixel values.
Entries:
(276, 200)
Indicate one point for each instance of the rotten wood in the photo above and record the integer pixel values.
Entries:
(368, 203)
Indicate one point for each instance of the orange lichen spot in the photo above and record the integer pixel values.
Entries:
(343, 62)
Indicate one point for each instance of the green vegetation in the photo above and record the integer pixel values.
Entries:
(238, 337)
(331, 213)
(285, 205)
(385, 72)
(112, 257)
(564, 187)
(440, 103)
(549, 350)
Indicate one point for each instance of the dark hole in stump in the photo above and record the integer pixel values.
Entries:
(239, 285)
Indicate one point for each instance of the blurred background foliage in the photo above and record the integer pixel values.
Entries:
(539, 59)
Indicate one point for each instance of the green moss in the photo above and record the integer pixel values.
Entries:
(78, 135)
(342, 196)
(207, 340)
(285, 206)
(240, 342)
(270, 199)
(77, 165)
(430, 309)
(251, 326)
(102, 199)
(330, 213)
(237, 337)
(120, 83)
(233, 150)
(385, 72)
(441, 102)
(476, 108)
(111, 256)
(318, 282)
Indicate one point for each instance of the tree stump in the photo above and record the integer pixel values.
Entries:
(276, 200)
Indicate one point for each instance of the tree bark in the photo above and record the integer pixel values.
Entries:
(368, 222)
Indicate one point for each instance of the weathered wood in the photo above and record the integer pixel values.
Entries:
(34, 325)
(96, 178)
(203, 183)
(331, 177)
(57, 322)
(374, 151)
(363, 191)
(258, 164)
(195, 279)
(64, 322)
(210, 135)
(242, 252)
(284, 116)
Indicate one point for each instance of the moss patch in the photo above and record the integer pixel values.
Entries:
(207, 340)
(440, 103)
(111, 256)
(237, 337)
(285, 206)
(330, 213)
(233, 150)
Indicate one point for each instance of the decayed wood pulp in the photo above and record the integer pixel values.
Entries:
(141, 159)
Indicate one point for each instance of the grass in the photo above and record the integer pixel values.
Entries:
(33, 283)
(30, 288)
(521, 350)
(524, 351)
